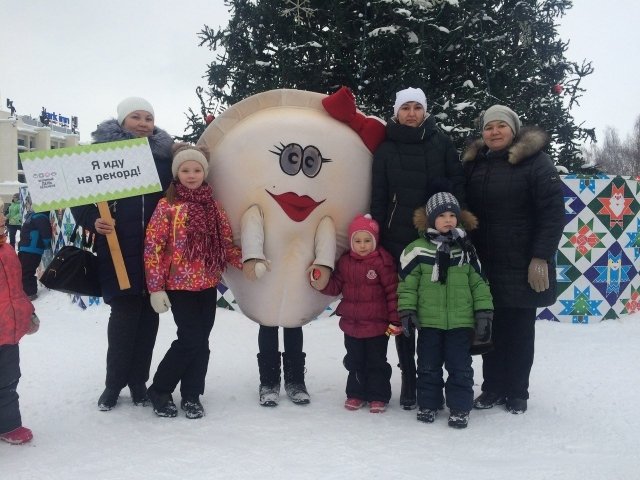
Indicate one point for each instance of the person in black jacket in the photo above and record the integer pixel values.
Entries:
(414, 154)
(133, 324)
(516, 193)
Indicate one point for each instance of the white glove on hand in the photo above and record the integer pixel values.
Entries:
(160, 301)
(538, 276)
(255, 268)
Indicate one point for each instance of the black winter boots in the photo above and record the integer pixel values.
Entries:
(293, 366)
(406, 348)
(269, 368)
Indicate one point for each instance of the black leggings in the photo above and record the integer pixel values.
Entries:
(268, 339)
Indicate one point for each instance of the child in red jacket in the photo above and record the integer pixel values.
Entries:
(16, 319)
(367, 279)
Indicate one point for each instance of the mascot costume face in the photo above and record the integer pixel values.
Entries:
(291, 177)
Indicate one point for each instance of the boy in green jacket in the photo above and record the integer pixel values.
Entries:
(442, 293)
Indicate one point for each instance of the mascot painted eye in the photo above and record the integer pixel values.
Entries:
(290, 158)
(312, 161)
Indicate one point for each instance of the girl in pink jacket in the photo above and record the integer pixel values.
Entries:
(188, 245)
(367, 279)
(17, 318)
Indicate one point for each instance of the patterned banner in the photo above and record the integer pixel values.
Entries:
(598, 257)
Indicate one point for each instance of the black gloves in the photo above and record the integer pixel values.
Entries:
(409, 320)
(482, 338)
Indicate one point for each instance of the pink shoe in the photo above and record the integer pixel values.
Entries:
(354, 403)
(377, 407)
(18, 436)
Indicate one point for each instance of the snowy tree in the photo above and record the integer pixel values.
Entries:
(466, 56)
(616, 156)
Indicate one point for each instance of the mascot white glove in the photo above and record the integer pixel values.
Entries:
(160, 301)
(255, 268)
(319, 276)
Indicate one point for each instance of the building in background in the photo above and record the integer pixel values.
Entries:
(23, 133)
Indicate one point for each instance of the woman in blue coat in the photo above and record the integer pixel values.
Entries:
(514, 189)
(133, 324)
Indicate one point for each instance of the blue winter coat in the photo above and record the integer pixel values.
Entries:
(131, 214)
(35, 235)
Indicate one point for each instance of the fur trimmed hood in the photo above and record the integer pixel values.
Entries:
(467, 220)
(529, 142)
(111, 131)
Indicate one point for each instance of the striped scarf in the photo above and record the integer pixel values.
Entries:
(443, 242)
(204, 236)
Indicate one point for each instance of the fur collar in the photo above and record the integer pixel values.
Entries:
(467, 220)
(530, 141)
(111, 131)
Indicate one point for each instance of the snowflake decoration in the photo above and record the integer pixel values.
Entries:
(299, 9)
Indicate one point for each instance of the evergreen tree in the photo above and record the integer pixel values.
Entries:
(465, 55)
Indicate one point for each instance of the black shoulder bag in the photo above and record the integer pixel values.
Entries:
(74, 269)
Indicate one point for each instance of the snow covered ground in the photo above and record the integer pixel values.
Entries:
(582, 421)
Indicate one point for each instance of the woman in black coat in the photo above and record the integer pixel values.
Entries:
(516, 193)
(414, 154)
(133, 324)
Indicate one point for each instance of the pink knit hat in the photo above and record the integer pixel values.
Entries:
(364, 223)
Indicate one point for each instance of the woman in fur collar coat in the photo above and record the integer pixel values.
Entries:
(133, 324)
(514, 189)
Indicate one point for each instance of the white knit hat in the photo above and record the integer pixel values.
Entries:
(131, 104)
(409, 95)
(185, 152)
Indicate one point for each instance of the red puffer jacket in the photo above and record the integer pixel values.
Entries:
(15, 307)
(369, 293)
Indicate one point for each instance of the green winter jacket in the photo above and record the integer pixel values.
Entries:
(15, 214)
(443, 306)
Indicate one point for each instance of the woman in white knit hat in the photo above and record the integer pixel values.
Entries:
(514, 189)
(414, 153)
(133, 324)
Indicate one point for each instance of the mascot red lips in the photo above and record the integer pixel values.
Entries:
(297, 207)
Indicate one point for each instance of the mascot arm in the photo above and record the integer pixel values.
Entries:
(252, 234)
(325, 243)
(325, 250)
(255, 263)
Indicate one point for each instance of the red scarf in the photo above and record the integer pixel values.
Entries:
(204, 236)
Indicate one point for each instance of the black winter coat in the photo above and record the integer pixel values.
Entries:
(131, 214)
(517, 196)
(403, 168)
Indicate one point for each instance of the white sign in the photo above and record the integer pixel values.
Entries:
(66, 177)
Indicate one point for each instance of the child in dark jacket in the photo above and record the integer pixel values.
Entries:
(35, 238)
(442, 293)
(16, 319)
(367, 279)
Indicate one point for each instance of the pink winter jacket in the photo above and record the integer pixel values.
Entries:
(15, 307)
(369, 293)
(164, 262)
